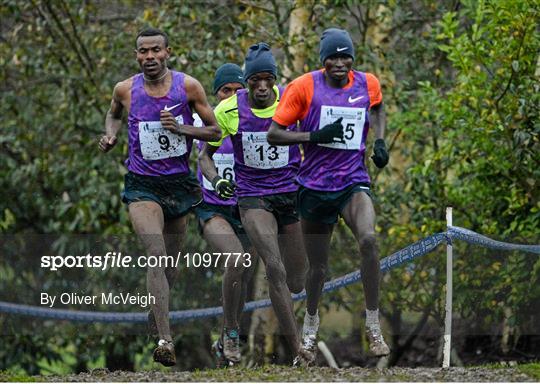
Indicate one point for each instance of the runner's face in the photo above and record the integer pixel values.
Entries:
(338, 66)
(152, 55)
(260, 87)
(227, 90)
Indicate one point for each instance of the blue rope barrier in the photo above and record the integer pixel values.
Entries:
(417, 249)
(475, 238)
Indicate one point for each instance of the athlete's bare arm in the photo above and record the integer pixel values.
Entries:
(198, 102)
(113, 118)
(377, 119)
(206, 163)
(278, 135)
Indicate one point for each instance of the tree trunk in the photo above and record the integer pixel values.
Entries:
(507, 331)
(297, 53)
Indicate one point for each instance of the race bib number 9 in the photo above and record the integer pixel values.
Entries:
(224, 166)
(259, 154)
(353, 125)
(158, 143)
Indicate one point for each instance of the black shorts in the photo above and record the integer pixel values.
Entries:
(325, 207)
(176, 194)
(282, 205)
(205, 211)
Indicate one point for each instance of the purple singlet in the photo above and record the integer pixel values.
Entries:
(260, 168)
(153, 150)
(333, 167)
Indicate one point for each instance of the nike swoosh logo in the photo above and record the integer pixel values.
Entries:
(351, 100)
(341, 49)
(171, 108)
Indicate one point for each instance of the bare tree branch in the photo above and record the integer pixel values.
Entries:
(77, 37)
(54, 35)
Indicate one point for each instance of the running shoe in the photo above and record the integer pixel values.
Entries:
(164, 353)
(377, 346)
(303, 359)
(217, 351)
(231, 346)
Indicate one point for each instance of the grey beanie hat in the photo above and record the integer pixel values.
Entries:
(228, 73)
(335, 41)
(259, 58)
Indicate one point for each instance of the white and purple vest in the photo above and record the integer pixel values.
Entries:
(260, 168)
(153, 150)
(335, 166)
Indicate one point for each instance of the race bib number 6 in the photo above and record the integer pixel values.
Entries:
(259, 154)
(225, 168)
(159, 143)
(353, 125)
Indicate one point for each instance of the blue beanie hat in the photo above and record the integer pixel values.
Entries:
(259, 59)
(335, 41)
(228, 73)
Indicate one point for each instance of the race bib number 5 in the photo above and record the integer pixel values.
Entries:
(159, 143)
(259, 154)
(353, 125)
(224, 166)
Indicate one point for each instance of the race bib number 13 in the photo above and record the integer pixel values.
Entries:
(259, 154)
(159, 143)
(353, 125)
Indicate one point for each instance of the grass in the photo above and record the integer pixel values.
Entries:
(8, 376)
(531, 369)
(274, 373)
(277, 373)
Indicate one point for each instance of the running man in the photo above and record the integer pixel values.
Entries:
(335, 107)
(220, 224)
(266, 188)
(159, 187)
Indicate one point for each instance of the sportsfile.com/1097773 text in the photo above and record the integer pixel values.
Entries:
(118, 260)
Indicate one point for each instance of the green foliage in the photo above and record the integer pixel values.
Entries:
(491, 115)
(470, 136)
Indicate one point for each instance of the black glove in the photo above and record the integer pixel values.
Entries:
(223, 187)
(380, 155)
(330, 133)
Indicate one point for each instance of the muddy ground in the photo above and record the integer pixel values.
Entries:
(316, 374)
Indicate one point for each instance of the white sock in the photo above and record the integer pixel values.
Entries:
(372, 318)
(311, 324)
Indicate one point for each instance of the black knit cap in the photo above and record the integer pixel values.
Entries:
(335, 41)
(259, 58)
(228, 73)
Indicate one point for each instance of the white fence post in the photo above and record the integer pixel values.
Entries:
(448, 307)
